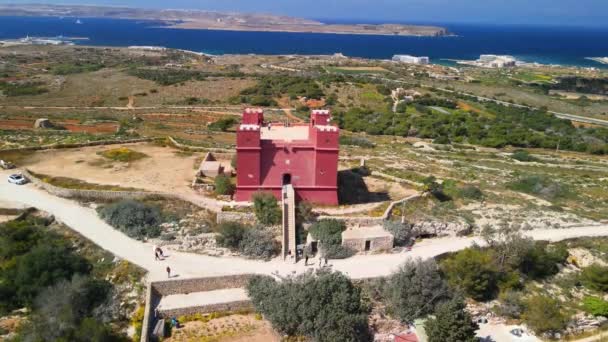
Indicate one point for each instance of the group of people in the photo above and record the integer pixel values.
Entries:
(160, 255)
(321, 260)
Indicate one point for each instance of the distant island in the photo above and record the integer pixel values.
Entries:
(198, 19)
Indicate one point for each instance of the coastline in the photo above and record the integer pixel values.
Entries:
(253, 29)
(601, 60)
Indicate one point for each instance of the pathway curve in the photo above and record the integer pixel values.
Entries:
(185, 265)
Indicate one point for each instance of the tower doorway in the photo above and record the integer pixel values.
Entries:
(286, 178)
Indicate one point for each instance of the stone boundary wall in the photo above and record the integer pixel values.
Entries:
(206, 309)
(389, 211)
(185, 286)
(232, 216)
(87, 194)
(92, 143)
(395, 179)
(149, 318)
(356, 221)
(199, 148)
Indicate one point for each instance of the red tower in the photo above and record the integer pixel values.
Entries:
(270, 155)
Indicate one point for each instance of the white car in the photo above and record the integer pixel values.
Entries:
(17, 179)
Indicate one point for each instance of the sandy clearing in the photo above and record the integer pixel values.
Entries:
(164, 170)
(179, 301)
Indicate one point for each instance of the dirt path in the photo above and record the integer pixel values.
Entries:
(86, 222)
(284, 103)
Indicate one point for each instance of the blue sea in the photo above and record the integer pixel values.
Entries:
(548, 45)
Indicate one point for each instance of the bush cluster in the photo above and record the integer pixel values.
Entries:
(43, 272)
(323, 306)
(329, 234)
(266, 208)
(136, 219)
(254, 242)
(512, 126)
(223, 185)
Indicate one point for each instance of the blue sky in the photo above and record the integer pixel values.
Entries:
(544, 12)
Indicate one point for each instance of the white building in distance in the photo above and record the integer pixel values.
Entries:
(411, 59)
(497, 61)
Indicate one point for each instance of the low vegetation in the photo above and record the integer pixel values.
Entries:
(123, 154)
(223, 185)
(167, 77)
(329, 235)
(67, 295)
(323, 306)
(253, 242)
(136, 219)
(266, 209)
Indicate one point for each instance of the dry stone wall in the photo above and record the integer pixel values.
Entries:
(184, 286)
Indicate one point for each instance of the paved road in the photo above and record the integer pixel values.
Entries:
(185, 265)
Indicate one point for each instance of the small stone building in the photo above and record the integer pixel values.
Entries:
(211, 167)
(368, 239)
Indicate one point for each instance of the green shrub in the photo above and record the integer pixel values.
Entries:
(223, 185)
(541, 261)
(544, 315)
(415, 290)
(230, 235)
(167, 76)
(595, 306)
(523, 156)
(473, 271)
(123, 154)
(402, 232)
(540, 186)
(470, 192)
(323, 307)
(328, 232)
(266, 208)
(337, 252)
(134, 218)
(356, 141)
(511, 304)
(222, 125)
(595, 277)
(451, 323)
(258, 243)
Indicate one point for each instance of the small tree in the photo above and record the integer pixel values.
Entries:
(266, 208)
(223, 185)
(416, 290)
(473, 271)
(324, 306)
(328, 232)
(451, 323)
(230, 235)
(543, 315)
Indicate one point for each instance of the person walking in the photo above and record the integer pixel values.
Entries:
(160, 251)
(306, 260)
(168, 272)
(155, 250)
(156, 257)
(326, 260)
